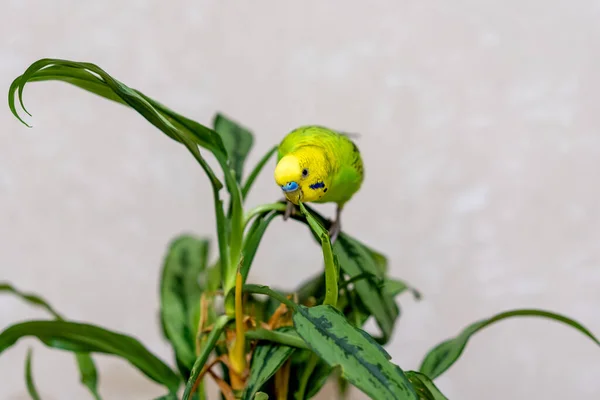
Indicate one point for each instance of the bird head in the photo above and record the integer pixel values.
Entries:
(303, 175)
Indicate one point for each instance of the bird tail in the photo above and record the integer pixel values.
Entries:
(350, 135)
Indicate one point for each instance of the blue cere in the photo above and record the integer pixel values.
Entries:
(317, 185)
(290, 187)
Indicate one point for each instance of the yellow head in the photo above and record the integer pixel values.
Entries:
(304, 174)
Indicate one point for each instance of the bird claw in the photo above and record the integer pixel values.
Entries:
(334, 231)
(290, 210)
(336, 226)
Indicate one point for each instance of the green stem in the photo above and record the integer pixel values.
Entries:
(256, 171)
(277, 337)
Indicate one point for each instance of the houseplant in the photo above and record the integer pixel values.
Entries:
(255, 342)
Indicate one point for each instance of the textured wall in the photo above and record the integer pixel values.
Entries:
(479, 127)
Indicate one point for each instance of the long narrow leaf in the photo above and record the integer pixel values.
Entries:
(237, 139)
(357, 259)
(287, 338)
(92, 78)
(331, 265)
(253, 238)
(211, 341)
(180, 293)
(88, 375)
(362, 360)
(318, 378)
(425, 388)
(84, 338)
(256, 171)
(31, 389)
(445, 354)
(266, 360)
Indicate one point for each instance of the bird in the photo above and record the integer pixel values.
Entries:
(316, 164)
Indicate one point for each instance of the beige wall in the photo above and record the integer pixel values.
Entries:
(480, 134)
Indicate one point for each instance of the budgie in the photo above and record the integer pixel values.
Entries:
(316, 164)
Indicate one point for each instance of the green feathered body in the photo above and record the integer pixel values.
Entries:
(332, 156)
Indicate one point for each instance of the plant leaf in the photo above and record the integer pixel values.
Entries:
(88, 374)
(355, 260)
(211, 341)
(92, 78)
(84, 338)
(394, 287)
(266, 360)
(29, 378)
(30, 298)
(311, 288)
(425, 388)
(332, 269)
(362, 360)
(445, 354)
(87, 369)
(253, 238)
(180, 293)
(317, 379)
(256, 171)
(281, 337)
(237, 140)
(261, 396)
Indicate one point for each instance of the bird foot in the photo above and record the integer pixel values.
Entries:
(334, 230)
(290, 210)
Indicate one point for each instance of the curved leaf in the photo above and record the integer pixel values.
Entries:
(31, 389)
(317, 379)
(92, 78)
(394, 287)
(237, 140)
(356, 260)
(88, 375)
(180, 293)
(253, 238)
(211, 341)
(332, 269)
(445, 354)
(86, 338)
(287, 337)
(362, 360)
(425, 388)
(266, 360)
(256, 171)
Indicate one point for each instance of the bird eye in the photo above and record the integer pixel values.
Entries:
(305, 172)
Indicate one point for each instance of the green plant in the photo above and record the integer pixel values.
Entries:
(284, 345)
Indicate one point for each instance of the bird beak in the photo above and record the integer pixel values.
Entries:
(289, 187)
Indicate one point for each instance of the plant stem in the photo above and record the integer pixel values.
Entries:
(238, 353)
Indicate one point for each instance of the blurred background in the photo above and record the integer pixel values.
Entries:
(479, 126)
